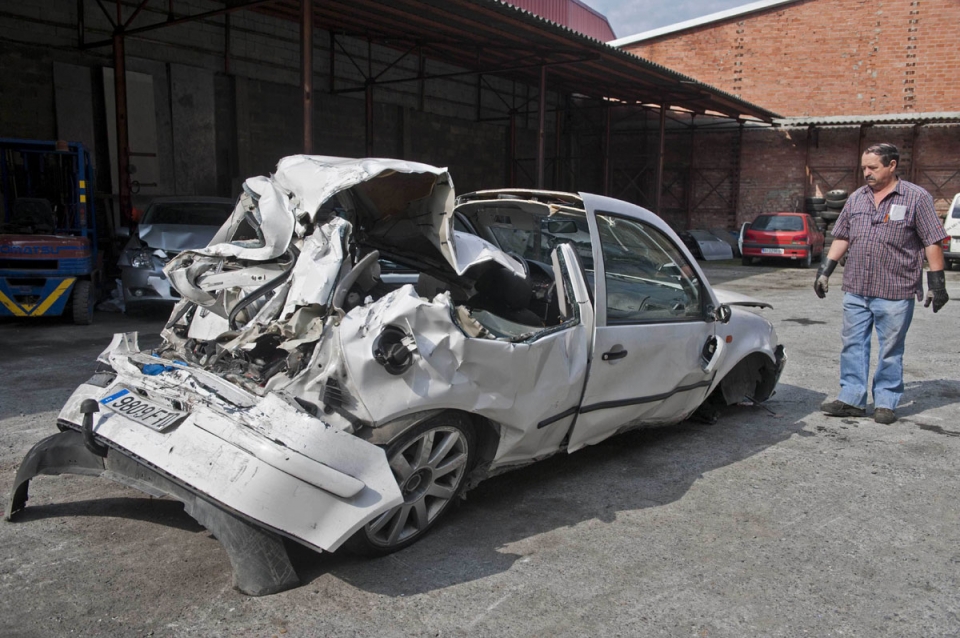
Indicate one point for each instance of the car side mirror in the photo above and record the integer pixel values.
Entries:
(723, 313)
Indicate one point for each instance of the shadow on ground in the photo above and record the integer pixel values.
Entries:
(634, 471)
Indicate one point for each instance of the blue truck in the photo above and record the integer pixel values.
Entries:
(48, 236)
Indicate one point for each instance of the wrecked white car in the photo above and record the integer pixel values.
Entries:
(297, 394)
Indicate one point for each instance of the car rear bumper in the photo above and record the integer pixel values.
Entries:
(773, 251)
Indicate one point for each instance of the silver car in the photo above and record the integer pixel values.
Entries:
(169, 225)
(297, 394)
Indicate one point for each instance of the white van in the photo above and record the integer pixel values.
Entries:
(951, 224)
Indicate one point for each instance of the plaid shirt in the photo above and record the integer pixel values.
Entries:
(885, 258)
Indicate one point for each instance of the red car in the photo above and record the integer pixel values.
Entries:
(793, 236)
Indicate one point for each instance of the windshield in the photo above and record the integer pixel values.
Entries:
(536, 243)
(778, 222)
(188, 213)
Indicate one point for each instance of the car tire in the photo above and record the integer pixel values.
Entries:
(82, 303)
(836, 195)
(836, 204)
(806, 261)
(446, 442)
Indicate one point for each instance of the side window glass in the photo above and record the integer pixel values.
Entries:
(647, 277)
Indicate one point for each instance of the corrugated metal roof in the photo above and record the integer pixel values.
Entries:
(854, 120)
(753, 7)
(572, 14)
(491, 36)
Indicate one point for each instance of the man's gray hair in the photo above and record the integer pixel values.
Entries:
(885, 152)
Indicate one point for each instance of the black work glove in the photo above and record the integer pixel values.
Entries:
(936, 290)
(822, 283)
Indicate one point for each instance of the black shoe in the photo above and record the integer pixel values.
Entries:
(839, 408)
(886, 416)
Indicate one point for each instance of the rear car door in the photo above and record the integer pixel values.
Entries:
(654, 350)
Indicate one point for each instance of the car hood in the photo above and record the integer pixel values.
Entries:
(174, 238)
(731, 298)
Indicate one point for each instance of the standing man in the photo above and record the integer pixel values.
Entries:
(887, 225)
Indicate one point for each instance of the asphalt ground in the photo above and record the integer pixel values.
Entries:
(775, 521)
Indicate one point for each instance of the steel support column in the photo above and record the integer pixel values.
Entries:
(736, 173)
(914, 156)
(368, 102)
(541, 126)
(120, 102)
(658, 195)
(606, 151)
(557, 133)
(306, 72)
(368, 127)
(857, 173)
(512, 150)
(691, 172)
(226, 44)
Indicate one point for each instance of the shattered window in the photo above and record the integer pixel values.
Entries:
(647, 278)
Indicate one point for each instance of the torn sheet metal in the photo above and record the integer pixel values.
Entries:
(513, 384)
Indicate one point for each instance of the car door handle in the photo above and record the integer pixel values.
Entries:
(612, 355)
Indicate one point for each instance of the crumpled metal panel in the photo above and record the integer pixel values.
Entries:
(273, 462)
(516, 385)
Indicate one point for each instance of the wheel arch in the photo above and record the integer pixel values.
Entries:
(487, 432)
(753, 377)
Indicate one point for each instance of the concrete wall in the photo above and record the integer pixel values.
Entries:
(826, 57)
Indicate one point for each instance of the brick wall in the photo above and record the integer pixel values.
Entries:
(773, 170)
(826, 57)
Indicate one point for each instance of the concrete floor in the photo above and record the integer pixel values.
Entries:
(782, 523)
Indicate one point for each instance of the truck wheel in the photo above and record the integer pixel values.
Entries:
(83, 303)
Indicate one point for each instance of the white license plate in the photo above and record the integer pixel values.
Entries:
(145, 412)
(771, 251)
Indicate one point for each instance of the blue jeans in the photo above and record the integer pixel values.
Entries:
(891, 319)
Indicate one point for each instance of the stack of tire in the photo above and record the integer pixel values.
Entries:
(834, 201)
(816, 206)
